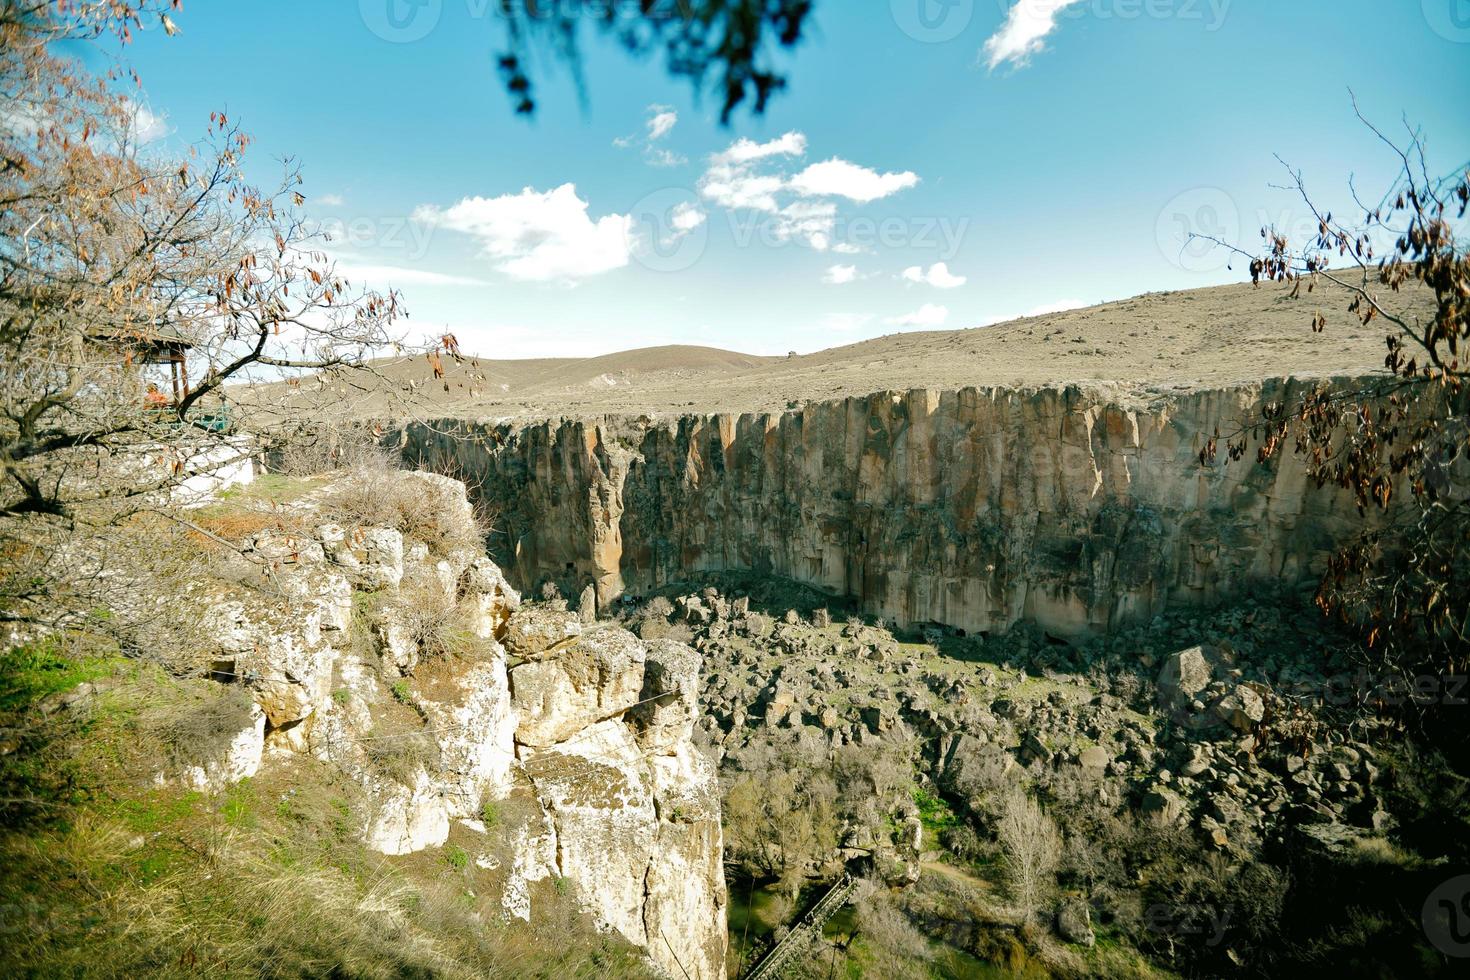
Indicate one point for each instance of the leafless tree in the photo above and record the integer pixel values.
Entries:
(113, 255)
(1032, 848)
(1406, 578)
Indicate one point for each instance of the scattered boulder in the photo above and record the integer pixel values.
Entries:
(600, 675)
(669, 700)
(537, 630)
(1074, 922)
(1242, 709)
(1163, 806)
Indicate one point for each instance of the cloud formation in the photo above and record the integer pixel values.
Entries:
(1024, 33)
(539, 236)
(843, 179)
(839, 275)
(747, 175)
(938, 276)
(928, 315)
(660, 123)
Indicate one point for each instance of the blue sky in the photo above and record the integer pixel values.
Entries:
(979, 162)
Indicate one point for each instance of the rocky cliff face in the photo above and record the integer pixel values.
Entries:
(580, 730)
(1077, 509)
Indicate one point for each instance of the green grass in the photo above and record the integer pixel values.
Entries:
(31, 673)
(934, 814)
(265, 879)
(276, 488)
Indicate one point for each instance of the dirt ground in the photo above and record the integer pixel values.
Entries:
(1153, 342)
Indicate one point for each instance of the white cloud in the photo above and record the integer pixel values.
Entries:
(372, 274)
(147, 126)
(741, 178)
(657, 156)
(734, 187)
(686, 217)
(1024, 32)
(662, 122)
(808, 221)
(847, 248)
(330, 200)
(539, 235)
(844, 179)
(744, 150)
(928, 315)
(938, 276)
(838, 275)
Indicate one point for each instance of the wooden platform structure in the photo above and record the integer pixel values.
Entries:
(159, 345)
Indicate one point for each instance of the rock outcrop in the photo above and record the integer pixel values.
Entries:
(421, 676)
(1077, 509)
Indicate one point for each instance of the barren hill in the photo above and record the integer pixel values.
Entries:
(1157, 341)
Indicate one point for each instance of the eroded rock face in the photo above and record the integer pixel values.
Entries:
(533, 631)
(590, 734)
(598, 676)
(1077, 509)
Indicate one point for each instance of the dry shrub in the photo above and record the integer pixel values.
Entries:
(196, 721)
(235, 525)
(376, 495)
(399, 754)
(246, 906)
(325, 448)
(433, 618)
(891, 946)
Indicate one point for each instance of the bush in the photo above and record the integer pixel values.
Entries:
(377, 495)
(432, 618)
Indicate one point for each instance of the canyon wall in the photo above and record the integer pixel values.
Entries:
(1076, 508)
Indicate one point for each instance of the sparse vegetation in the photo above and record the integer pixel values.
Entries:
(103, 867)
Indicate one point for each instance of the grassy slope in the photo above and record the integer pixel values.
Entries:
(103, 873)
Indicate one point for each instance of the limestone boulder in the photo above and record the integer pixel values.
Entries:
(686, 878)
(475, 728)
(1074, 923)
(403, 819)
(289, 674)
(669, 700)
(1184, 675)
(532, 631)
(599, 676)
(238, 759)
(1243, 709)
(377, 558)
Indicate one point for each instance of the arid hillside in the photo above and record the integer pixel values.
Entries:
(1160, 341)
